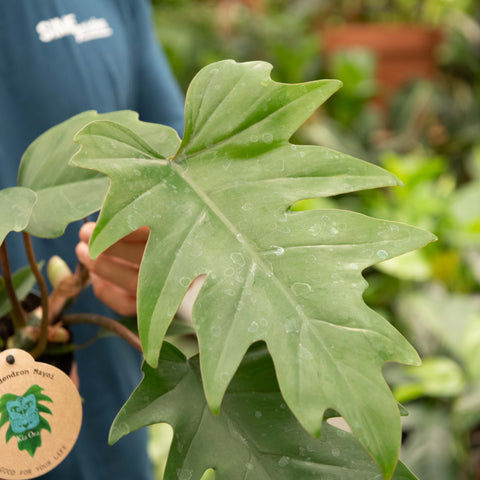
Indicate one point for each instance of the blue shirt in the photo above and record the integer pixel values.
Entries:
(59, 58)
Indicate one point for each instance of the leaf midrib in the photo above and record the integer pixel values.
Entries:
(235, 232)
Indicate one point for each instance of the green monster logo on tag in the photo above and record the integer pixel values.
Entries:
(23, 413)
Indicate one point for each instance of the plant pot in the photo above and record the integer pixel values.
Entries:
(255, 5)
(403, 52)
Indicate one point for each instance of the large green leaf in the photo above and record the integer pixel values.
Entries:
(220, 207)
(16, 204)
(254, 437)
(66, 193)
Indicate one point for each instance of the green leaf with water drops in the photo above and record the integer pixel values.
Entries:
(254, 437)
(65, 193)
(16, 204)
(219, 207)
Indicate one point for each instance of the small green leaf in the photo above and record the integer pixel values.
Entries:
(255, 436)
(16, 204)
(65, 193)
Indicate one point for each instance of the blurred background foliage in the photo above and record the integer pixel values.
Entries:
(428, 134)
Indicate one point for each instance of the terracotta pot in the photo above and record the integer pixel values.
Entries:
(403, 52)
(254, 5)
(227, 12)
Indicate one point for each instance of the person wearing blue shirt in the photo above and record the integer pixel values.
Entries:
(57, 59)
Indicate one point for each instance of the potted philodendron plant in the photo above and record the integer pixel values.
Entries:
(285, 339)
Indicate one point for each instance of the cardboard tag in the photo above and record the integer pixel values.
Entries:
(40, 416)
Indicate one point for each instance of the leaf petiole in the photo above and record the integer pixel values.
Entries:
(42, 341)
(18, 315)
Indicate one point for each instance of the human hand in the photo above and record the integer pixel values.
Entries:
(114, 273)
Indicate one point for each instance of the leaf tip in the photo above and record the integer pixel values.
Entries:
(332, 85)
(336, 83)
(427, 236)
(433, 237)
(113, 436)
(119, 428)
(209, 474)
(215, 409)
(214, 400)
(151, 358)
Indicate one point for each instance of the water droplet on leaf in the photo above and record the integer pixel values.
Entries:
(253, 327)
(215, 330)
(267, 138)
(184, 281)
(184, 474)
(237, 259)
(304, 353)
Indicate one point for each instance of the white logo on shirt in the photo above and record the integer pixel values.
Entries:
(59, 27)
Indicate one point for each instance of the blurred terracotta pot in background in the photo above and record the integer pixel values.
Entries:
(403, 52)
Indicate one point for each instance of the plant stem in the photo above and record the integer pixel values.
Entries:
(18, 315)
(104, 322)
(42, 340)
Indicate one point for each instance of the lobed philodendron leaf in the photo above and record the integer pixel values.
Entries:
(65, 193)
(219, 207)
(255, 436)
(16, 204)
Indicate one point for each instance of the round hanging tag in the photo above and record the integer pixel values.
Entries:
(40, 416)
